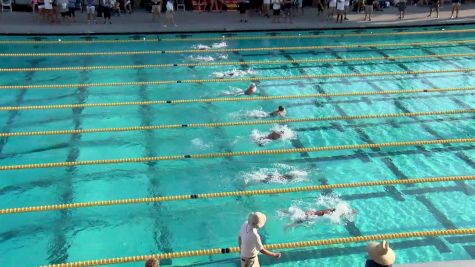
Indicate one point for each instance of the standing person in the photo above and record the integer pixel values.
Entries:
(48, 10)
(319, 6)
(170, 16)
(91, 12)
(434, 4)
(276, 11)
(380, 255)
(107, 6)
(455, 7)
(347, 6)
(265, 8)
(72, 9)
(368, 9)
(287, 11)
(156, 9)
(250, 243)
(214, 3)
(152, 263)
(331, 9)
(128, 7)
(340, 10)
(401, 5)
(243, 7)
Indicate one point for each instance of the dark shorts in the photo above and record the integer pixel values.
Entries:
(434, 4)
(276, 12)
(401, 6)
(243, 7)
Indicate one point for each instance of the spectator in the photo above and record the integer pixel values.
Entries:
(368, 10)
(331, 9)
(115, 9)
(265, 8)
(128, 6)
(170, 16)
(340, 10)
(243, 7)
(287, 11)
(380, 255)
(434, 4)
(72, 10)
(250, 241)
(214, 3)
(319, 7)
(156, 9)
(91, 12)
(347, 6)
(276, 11)
(152, 263)
(401, 5)
(107, 6)
(455, 7)
(299, 7)
(48, 10)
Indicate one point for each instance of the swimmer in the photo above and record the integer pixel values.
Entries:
(275, 135)
(310, 215)
(251, 89)
(279, 112)
(283, 177)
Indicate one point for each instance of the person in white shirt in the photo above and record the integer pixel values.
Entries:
(250, 241)
(347, 6)
(265, 8)
(170, 15)
(276, 11)
(331, 9)
(340, 10)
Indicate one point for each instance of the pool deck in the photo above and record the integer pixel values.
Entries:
(467, 263)
(141, 22)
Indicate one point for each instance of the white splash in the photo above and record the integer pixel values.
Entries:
(233, 91)
(254, 114)
(200, 144)
(261, 139)
(232, 73)
(343, 213)
(213, 46)
(201, 58)
(278, 173)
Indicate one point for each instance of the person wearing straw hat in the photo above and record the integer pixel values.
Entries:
(250, 241)
(152, 263)
(381, 255)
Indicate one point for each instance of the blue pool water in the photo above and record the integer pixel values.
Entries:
(31, 239)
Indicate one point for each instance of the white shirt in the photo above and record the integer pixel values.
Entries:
(332, 3)
(48, 4)
(250, 241)
(275, 4)
(170, 6)
(340, 5)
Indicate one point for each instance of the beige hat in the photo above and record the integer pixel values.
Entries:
(257, 219)
(381, 253)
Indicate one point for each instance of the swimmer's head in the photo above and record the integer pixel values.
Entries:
(151, 263)
(281, 108)
(252, 85)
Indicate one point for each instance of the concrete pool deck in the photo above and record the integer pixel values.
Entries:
(141, 22)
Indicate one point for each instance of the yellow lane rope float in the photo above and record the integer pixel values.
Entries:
(233, 154)
(227, 50)
(232, 194)
(224, 38)
(313, 243)
(233, 63)
(232, 99)
(234, 123)
(222, 80)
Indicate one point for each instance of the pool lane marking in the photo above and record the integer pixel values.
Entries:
(223, 80)
(233, 99)
(323, 187)
(226, 50)
(240, 63)
(233, 123)
(232, 154)
(223, 38)
(299, 244)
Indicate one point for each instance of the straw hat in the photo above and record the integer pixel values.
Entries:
(381, 253)
(257, 219)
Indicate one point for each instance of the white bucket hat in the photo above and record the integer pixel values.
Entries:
(381, 253)
(257, 219)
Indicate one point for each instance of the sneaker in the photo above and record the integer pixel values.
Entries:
(347, 19)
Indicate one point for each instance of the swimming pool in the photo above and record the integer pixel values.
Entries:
(50, 237)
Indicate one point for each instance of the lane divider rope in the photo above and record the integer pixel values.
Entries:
(227, 50)
(231, 194)
(233, 123)
(233, 154)
(222, 80)
(300, 36)
(231, 63)
(231, 99)
(312, 243)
